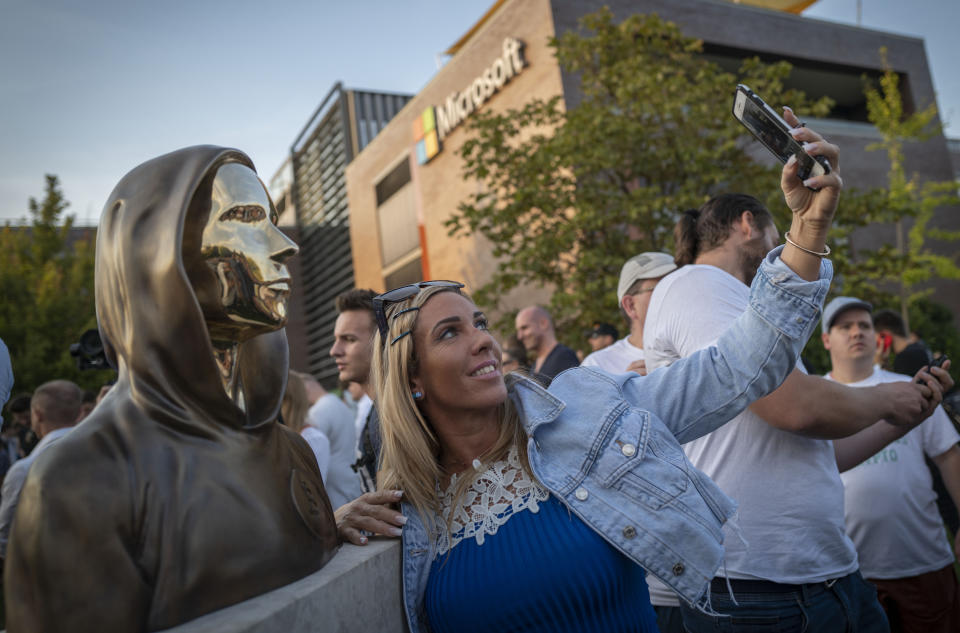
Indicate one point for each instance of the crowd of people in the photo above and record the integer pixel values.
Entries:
(491, 470)
(689, 476)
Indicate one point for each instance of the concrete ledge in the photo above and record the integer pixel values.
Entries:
(359, 590)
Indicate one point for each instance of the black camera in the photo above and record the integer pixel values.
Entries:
(89, 351)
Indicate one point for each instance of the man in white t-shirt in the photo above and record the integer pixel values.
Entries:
(54, 409)
(352, 350)
(790, 559)
(889, 502)
(638, 278)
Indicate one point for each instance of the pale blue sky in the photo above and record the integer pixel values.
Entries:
(89, 89)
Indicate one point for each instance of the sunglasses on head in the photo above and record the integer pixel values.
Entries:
(380, 302)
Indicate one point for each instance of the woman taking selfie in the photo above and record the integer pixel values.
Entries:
(526, 509)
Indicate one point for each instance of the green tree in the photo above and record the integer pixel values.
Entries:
(46, 281)
(897, 275)
(567, 195)
(906, 267)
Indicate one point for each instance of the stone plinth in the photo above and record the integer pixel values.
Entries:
(359, 590)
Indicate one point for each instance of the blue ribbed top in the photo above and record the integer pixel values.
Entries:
(543, 571)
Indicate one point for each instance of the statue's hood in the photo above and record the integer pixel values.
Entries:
(149, 316)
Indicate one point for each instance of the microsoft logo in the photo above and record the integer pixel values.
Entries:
(425, 136)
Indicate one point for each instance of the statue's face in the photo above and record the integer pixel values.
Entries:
(245, 251)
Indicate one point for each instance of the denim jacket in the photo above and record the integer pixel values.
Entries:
(608, 446)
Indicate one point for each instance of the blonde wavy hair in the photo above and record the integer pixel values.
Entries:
(409, 455)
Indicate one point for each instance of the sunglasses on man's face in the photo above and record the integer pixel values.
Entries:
(380, 302)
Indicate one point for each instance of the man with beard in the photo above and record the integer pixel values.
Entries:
(776, 458)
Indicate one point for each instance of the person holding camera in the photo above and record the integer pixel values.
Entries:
(889, 503)
(788, 559)
(534, 509)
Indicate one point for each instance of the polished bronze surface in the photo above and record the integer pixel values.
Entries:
(245, 250)
(240, 280)
(179, 494)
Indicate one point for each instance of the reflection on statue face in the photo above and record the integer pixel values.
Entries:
(245, 250)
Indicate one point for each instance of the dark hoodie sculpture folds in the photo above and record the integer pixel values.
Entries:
(180, 494)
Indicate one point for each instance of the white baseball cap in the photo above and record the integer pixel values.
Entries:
(643, 266)
(840, 305)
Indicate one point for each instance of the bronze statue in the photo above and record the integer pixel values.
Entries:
(179, 494)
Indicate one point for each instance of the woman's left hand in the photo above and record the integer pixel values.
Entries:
(814, 207)
(370, 512)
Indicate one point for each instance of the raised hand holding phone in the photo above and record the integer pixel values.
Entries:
(814, 199)
(774, 133)
(810, 164)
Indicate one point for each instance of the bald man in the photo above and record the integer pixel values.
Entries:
(535, 331)
(54, 409)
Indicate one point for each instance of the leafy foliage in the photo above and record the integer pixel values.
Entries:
(897, 275)
(46, 281)
(567, 195)
(907, 202)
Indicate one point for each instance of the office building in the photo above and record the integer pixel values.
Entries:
(408, 181)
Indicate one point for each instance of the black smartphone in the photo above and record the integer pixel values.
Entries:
(770, 129)
(937, 362)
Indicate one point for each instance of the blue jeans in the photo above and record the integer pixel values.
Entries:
(847, 606)
(669, 619)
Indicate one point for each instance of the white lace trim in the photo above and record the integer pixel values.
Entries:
(498, 493)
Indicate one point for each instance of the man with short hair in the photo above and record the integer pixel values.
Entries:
(536, 332)
(54, 409)
(352, 350)
(889, 504)
(602, 335)
(788, 558)
(910, 354)
(638, 277)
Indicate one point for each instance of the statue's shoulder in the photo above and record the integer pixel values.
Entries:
(93, 449)
(300, 452)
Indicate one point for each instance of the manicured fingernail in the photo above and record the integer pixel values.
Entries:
(397, 493)
(808, 147)
(363, 540)
(791, 160)
(402, 520)
(395, 531)
(809, 182)
(795, 131)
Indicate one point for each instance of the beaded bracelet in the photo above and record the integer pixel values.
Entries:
(825, 253)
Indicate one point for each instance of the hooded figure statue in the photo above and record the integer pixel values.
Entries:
(179, 494)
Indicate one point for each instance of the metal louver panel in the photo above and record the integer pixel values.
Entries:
(320, 155)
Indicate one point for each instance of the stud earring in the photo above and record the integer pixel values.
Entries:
(418, 395)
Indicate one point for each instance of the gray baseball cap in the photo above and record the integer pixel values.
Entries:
(643, 266)
(840, 305)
